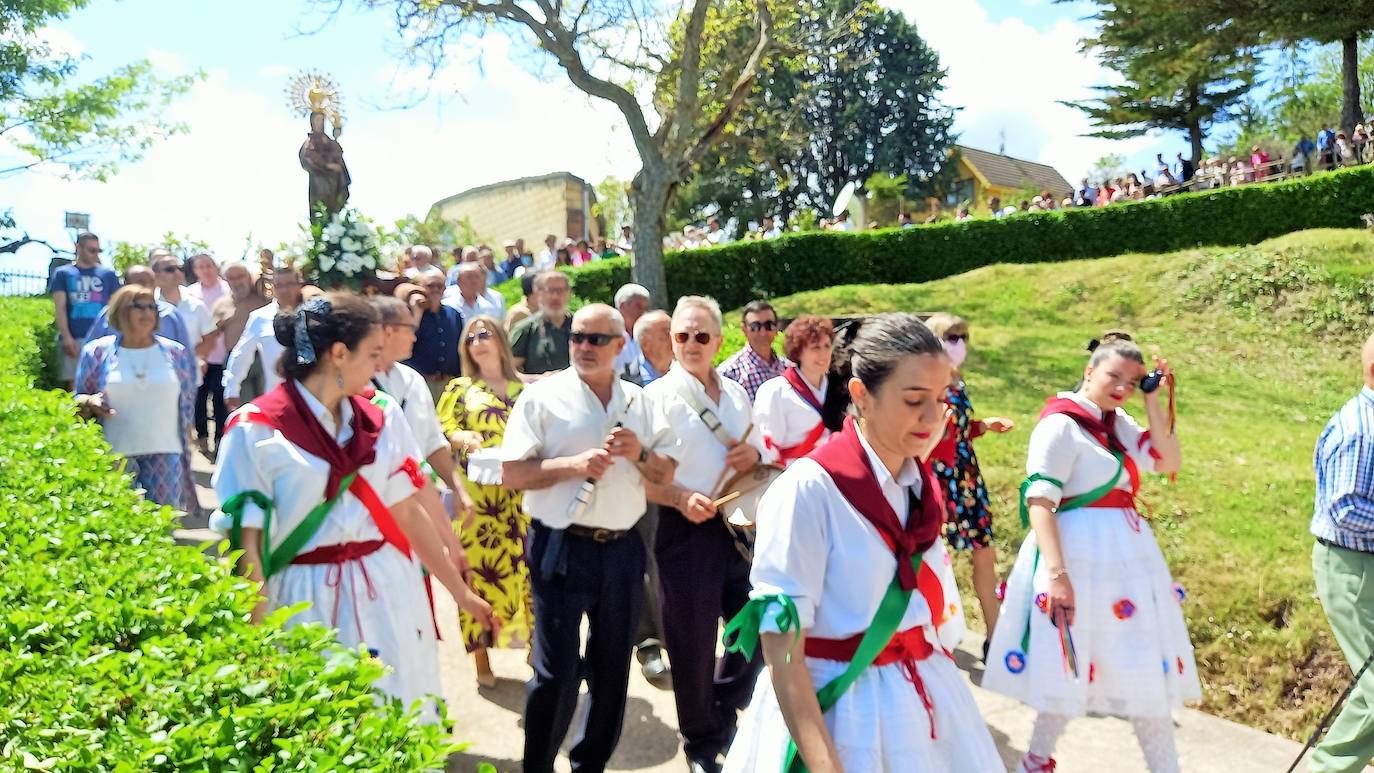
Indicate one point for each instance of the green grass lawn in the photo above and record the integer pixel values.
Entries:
(1266, 343)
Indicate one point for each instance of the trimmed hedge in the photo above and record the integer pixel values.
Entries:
(121, 651)
(737, 273)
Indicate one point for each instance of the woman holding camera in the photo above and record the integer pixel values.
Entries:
(1092, 621)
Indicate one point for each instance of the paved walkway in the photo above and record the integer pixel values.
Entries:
(490, 720)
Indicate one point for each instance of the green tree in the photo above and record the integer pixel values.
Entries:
(51, 115)
(613, 206)
(856, 94)
(1177, 72)
(677, 78)
(184, 246)
(1107, 168)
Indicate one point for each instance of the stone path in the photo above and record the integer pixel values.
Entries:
(490, 720)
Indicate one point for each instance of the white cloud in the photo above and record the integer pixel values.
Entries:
(1009, 77)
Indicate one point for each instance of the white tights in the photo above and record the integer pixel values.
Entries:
(1155, 734)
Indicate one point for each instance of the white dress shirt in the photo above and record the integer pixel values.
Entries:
(1062, 450)
(408, 387)
(703, 455)
(785, 418)
(210, 296)
(489, 303)
(258, 338)
(547, 259)
(560, 416)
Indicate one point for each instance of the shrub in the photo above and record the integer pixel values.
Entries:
(121, 651)
(737, 273)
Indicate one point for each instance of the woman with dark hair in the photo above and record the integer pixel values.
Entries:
(1124, 650)
(789, 409)
(317, 484)
(142, 389)
(853, 592)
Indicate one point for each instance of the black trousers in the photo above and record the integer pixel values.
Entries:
(702, 579)
(651, 618)
(212, 387)
(605, 582)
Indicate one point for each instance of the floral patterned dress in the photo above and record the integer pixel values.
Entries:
(968, 520)
(496, 542)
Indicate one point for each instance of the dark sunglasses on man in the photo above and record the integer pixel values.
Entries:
(700, 337)
(595, 339)
(769, 325)
(169, 269)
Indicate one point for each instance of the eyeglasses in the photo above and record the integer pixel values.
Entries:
(595, 339)
(700, 337)
(755, 327)
(168, 270)
(485, 335)
(407, 325)
(954, 338)
(144, 306)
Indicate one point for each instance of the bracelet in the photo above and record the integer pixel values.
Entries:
(1058, 572)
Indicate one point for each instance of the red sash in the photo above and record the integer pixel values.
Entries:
(845, 460)
(808, 443)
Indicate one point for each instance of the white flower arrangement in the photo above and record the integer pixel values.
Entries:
(342, 251)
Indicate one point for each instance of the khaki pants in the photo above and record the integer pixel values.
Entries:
(1345, 585)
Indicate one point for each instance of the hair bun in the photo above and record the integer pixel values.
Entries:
(284, 328)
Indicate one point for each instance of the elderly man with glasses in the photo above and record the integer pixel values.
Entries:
(540, 343)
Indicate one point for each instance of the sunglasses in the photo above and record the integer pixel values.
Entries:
(481, 335)
(954, 338)
(169, 270)
(755, 327)
(699, 337)
(144, 306)
(595, 339)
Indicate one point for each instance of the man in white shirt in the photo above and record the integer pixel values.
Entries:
(470, 295)
(200, 326)
(770, 229)
(581, 444)
(209, 288)
(626, 245)
(259, 339)
(548, 257)
(631, 300)
(421, 259)
(714, 234)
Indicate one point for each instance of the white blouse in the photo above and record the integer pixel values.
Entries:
(703, 455)
(257, 457)
(408, 387)
(145, 394)
(815, 547)
(561, 416)
(785, 418)
(1062, 450)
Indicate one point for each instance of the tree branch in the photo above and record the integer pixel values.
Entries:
(740, 92)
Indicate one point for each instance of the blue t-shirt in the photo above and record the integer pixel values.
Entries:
(88, 290)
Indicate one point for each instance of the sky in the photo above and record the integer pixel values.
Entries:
(495, 113)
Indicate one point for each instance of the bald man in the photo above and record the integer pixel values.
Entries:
(1343, 564)
(169, 322)
(581, 444)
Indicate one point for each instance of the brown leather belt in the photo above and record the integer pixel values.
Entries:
(596, 535)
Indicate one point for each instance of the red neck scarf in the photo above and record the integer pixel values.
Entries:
(288, 411)
(847, 463)
(1101, 426)
(794, 377)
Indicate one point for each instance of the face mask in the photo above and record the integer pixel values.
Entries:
(526, 260)
(957, 351)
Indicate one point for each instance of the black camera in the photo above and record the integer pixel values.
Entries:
(1151, 381)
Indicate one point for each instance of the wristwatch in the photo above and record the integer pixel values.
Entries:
(643, 455)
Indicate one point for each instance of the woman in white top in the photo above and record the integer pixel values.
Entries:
(317, 484)
(141, 387)
(702, 576)
(1091, 567)
(849, 551)
(789, 408)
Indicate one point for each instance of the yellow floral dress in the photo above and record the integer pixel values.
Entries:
(496, 542)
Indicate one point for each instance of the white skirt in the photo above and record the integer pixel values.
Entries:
(1134, 656)
(879, 725)
(393, 621)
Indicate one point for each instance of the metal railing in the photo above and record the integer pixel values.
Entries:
(23, 282)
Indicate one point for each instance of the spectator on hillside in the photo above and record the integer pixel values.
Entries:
(548, 257)
(435, 354)
(626, 245)
(631, 300)
(904, 220)
(540, 343)
(1184, 169)
(1298, 165)
(1086, 195)
(1359, 138)
(757, 362)
(259, 341)
(1326, 143)
(1259, 163)
(140, 387)
(510, 264)
(842, 222)
(471, 296)
(1308, 150)
(169, 322)
(527, 305)
(79, 292)
(714, 233)
(769, 229)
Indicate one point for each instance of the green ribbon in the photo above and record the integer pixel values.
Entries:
(742, 632)
(275, 560)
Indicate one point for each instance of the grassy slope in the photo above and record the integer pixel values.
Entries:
(1260, 371)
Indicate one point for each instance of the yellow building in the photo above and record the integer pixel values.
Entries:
(529, 208)
(981, 174)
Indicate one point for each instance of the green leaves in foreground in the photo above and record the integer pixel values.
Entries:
(121, 651)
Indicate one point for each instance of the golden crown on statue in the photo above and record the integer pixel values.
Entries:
(312, 91)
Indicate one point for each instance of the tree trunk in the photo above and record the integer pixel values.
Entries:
(649, 192)
(1351, 113)
(1195, 140)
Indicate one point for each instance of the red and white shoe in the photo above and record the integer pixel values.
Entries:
(1034, 763)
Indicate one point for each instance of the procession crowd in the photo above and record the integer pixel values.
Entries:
(552, 468)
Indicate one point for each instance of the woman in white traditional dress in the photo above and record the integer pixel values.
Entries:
(788, 409)
(317, 486)
(1090, 580)
(849, 563)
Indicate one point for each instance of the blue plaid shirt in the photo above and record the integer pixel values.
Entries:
(1344, 463)
(750, 370)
